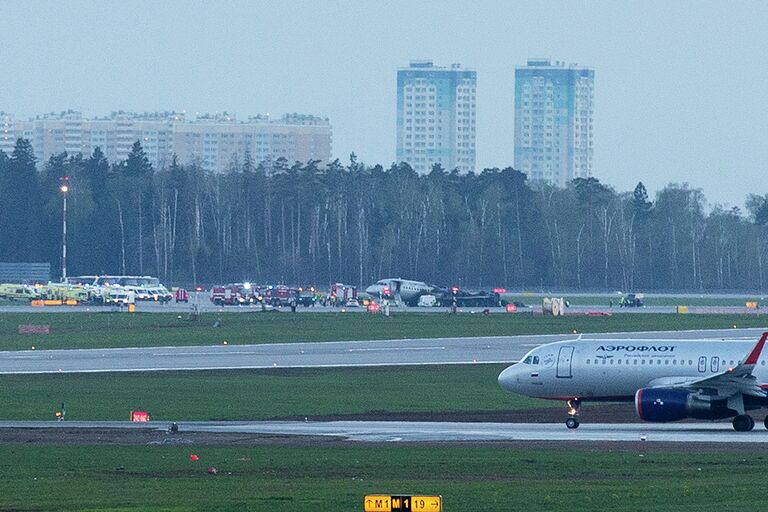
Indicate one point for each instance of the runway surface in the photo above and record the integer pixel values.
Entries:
(396, 431)
(498, 349)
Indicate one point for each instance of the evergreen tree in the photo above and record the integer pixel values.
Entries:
(20, 221)
(640, 200)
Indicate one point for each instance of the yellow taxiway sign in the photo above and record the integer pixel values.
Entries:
(389, 503)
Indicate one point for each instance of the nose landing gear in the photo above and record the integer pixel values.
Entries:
(573, 413)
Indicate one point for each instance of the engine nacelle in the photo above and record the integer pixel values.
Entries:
(663, 404)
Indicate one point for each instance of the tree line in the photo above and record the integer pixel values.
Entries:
(304, 223)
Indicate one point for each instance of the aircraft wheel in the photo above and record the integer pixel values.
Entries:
(572, 423)
(765, 422)
(743, 423)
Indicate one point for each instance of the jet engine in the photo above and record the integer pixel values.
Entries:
(663, 404)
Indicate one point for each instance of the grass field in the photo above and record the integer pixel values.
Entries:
(324, 478)
(90, 330)
(260, 394)
(321, 476)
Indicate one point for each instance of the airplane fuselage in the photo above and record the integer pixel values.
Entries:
(403, 289)
(614, 370)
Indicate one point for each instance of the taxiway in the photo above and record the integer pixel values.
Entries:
(397, 431)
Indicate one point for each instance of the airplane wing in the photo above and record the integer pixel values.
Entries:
(730, 382)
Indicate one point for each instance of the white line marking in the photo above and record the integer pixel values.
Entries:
(392, 349)
(166, 354)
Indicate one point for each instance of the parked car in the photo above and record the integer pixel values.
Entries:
(306, 299)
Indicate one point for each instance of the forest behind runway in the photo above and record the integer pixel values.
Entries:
(304, 223)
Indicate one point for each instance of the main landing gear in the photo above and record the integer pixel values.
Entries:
(573, 413)
(745, 423)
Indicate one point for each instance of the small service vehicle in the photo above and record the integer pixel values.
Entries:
(181, 295)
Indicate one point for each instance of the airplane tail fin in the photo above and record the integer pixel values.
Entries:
(754, 356)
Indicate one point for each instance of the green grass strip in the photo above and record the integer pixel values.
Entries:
(94, 330)
(259, 394)
(325, 478)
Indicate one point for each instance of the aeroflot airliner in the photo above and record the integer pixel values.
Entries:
(668, 380)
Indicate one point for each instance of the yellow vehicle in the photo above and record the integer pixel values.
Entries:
(18, 292)
(66, 292)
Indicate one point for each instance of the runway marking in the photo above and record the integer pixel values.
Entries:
(392, 349)
(166, 354)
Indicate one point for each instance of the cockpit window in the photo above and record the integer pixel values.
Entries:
(527, 360)
(535, 359)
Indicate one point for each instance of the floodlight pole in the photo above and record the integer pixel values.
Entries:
(64, 189)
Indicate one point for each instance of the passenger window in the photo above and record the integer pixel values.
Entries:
(715, 364)
(635, 362)
(587, 361)
(666, 361)
(702, 364)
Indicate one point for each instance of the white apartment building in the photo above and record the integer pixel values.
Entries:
(213, 142)
(436, 111)
(554, 121)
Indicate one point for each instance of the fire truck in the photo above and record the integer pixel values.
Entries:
(343, 294)
(236, 294)
(280, 295)
(181, 295)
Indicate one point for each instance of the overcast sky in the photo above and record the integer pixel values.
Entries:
(681, 88)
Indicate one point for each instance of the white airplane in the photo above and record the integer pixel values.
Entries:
(406, 290)
(668, 380)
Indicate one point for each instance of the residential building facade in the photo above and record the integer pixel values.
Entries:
(436, 112)
(554, 121)
(212, 141)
